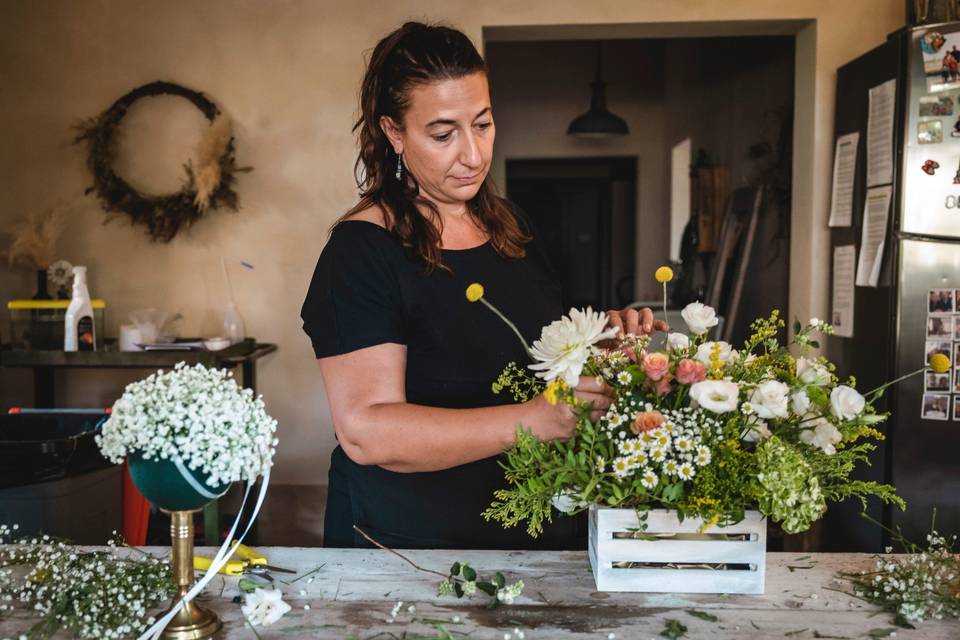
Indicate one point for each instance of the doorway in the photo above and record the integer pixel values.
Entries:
(584, 212)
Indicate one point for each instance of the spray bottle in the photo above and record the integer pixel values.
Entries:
(79, 331)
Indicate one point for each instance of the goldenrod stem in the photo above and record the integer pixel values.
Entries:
(893, 382)
(509, 324)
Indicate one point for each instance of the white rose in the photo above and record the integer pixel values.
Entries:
(699, 317)
(823, 436)
(726, 354)
(810, 372)
(800, 402)
(847, 403)
(567, 501)
(718, 396)
(264, 607)
(756, 430)
(769, 399)
(677, 342)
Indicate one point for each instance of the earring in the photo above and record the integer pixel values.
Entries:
(399, 172)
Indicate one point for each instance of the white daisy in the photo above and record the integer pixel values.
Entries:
(671, 467)
(624, 378)
(686, 471)
(683, 444)
(657, 455)
(620, 468)
(649, 479)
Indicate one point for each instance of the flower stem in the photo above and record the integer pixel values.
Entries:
(665, 304)
(893, 382)
(400, 555)
(526, 347)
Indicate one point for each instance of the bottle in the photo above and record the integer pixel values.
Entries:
(79, 330)
(232, 324)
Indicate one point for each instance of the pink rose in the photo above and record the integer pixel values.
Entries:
(691, 371)
(646, 421)
(656, 365)
(664, 386)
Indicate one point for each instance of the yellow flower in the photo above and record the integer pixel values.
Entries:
(664, 274)
(474, 292)
(939, 363)
(553, 389)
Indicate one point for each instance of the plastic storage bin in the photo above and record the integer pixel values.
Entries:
(38, 324)
(54, 480)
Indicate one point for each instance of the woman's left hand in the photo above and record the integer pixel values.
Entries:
(639, 322)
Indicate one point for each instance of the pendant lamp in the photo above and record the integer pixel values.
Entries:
(598, 122)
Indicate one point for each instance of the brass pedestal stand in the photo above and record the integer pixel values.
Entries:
(192, 622)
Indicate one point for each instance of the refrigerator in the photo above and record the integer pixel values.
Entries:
(913, 309)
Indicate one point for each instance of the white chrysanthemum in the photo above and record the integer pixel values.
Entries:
(823, 435)
(565, 345)
(686, 471)
(195, 414)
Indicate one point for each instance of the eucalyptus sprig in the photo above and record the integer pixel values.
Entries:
(93, 594)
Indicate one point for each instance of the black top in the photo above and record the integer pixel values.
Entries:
(367, 290)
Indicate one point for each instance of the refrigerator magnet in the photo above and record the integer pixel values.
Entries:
(935, 347)
(933, 106)
(940, 301)
(936, 406)
(956, 380)
(932, 42)
(956, 352)
(956, 327)
(956, 408)
(930, 167)
(940, 327)
(929, 131)
(937, 382)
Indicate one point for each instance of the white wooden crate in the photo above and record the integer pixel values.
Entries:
(615, 560)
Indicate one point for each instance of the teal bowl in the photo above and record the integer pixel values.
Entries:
(162, 483)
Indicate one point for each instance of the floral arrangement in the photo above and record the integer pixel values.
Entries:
(195, 414)
(698, 427)
(93, 594)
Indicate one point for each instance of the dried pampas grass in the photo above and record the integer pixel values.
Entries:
(208, 154)
(35, 239)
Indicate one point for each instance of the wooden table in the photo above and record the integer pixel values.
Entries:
(354, 591)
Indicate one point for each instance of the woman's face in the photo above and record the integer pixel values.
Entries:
(447, 137)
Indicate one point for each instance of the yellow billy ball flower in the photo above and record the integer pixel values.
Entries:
(474, 292)
(939, 363)
(664, 274)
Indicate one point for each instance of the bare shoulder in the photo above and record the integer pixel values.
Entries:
(374, 213)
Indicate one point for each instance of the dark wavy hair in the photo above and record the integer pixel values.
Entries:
(417, 54)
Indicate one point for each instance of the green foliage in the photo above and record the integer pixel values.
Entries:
(521, 384)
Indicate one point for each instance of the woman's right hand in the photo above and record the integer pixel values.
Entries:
(558, 421)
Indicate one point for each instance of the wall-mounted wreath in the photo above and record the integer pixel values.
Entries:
(209, 184)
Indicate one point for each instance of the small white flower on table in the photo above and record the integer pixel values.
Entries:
(264, 607)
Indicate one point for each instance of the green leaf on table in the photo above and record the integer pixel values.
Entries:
(794, 633)
(488, 588)
(802, 558)
(458, 589)
(247, 585)
(673, 630)
(755, 625)
(501, 581)
(901, 621)
(455, 569)
(882, 633)
(469, 574)
(703, 615)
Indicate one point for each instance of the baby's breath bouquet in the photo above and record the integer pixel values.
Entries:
(699, 427)
(196, 416)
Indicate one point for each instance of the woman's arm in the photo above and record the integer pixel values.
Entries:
(376, 425)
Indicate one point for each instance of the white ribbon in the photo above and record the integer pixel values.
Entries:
(224, 554)
(194, 483)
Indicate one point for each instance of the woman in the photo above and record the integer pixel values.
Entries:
(406, 360)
